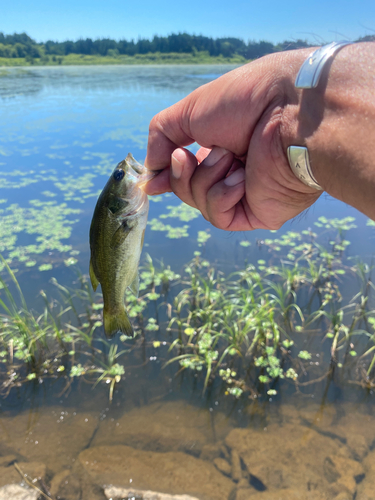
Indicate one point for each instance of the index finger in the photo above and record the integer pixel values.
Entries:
(220, 113)
(166, 133)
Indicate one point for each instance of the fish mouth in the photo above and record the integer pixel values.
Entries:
(139, 171)
(136, 167)
(145, 177)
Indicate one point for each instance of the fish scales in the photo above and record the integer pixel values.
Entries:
(116, 239)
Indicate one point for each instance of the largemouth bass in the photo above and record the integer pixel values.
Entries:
(116, 239)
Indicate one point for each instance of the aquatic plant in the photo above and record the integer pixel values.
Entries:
(281, 318)
(250, 327)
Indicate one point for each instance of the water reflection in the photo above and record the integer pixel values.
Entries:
(30, 81)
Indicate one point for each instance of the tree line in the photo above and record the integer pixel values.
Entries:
(22, 45)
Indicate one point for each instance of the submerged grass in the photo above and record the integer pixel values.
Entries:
(286, 318)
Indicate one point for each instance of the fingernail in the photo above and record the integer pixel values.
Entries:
(215, 155)
(177, 163)
(236, 178)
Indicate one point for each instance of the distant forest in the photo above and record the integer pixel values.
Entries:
(21, 45)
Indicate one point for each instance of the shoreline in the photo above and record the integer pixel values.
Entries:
(156, 59)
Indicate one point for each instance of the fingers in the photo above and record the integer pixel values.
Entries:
(202, 153)
(213, 169)
(158, 184)
(221, 113)
(191, 182)
(216, 186)
(226, 206)
(168, 130)
(183, 166)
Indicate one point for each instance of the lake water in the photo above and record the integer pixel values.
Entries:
(62, 131)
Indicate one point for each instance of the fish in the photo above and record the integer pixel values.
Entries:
(117, 233)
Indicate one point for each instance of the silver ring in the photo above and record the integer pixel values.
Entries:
(311, 70)
(299, 162)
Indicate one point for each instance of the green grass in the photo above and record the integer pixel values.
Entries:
(151, 58)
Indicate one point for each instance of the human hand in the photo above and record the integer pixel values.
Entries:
(240, 179)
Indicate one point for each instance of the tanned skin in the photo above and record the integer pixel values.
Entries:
(244, 122)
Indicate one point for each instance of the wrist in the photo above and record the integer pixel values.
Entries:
(335, 121)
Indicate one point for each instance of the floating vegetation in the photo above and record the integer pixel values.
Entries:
(203, 237)
(49, 194)
(156, 199)
(71, 186)
(24, 178)
(47, 221)
(252, 329)
(182, 212)
(45, 267)
(171, 232)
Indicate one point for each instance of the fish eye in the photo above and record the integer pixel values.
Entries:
(118, 174)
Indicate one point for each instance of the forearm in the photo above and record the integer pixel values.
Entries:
(336, 121)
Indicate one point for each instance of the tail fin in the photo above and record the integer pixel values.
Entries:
(118, 322)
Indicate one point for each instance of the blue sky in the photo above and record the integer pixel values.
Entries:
(271, 20)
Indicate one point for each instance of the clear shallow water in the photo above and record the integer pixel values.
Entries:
(62, 130)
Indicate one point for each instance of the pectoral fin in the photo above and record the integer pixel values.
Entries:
(134, 285)
(120, 235)
(94, 280)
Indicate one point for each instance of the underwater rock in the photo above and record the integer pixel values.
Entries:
(287, 494)
(175, 473)
(223, 466)
(17, 492)
(330, 471)
(358, 431)
(54, 437)
(236, 471)
(366, 488)
(358, 445)
(7, 460)
(287, 457)
(344, 495)
(245, 494)
(89, 490)
(346, 425)
(113, 493)
(173, 426)
(33, 470)
(65, 486)
(345, 471)
(244, 490)
(210, 452)
(225, 452)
